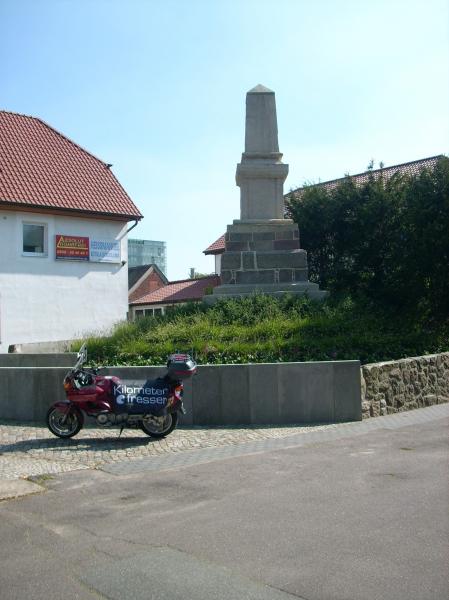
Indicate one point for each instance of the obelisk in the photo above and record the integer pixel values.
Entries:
(262, 249)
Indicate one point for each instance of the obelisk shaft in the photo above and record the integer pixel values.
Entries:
(261, 173)
(261, 129)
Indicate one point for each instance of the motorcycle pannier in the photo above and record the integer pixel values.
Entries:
(180, 366)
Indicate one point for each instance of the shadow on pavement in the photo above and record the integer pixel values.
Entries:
(77, 443)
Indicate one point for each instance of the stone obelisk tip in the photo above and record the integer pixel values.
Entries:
(260, 89)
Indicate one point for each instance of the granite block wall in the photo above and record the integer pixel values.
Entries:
(395, 386)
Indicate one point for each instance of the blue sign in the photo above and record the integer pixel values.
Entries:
(105, 251)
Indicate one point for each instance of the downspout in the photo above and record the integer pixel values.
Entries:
(136, 222)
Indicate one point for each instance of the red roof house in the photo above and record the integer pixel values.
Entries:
(144, 280)
(175, 292)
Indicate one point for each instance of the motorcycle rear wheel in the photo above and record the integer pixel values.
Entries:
(64, 425)
(160, 430)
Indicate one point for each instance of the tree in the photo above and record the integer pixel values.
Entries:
(386, 240)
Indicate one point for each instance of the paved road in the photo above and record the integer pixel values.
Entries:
(356, 512)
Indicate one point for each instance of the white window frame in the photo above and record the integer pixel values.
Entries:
(43, 254)
(149, 311)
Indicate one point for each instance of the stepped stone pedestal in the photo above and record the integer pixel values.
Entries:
(262, 251)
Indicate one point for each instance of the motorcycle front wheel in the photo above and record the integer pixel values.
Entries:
(63, 424)
(159, 427)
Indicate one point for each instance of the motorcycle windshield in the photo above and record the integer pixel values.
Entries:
(81, 358)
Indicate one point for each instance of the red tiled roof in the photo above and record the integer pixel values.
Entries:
(410, 168)
(41, 168)
(217, 247)
(180, 291)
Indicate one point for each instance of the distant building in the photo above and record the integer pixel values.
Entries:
(216, 249)
(160, 298)
(146, 252)
(144, 280)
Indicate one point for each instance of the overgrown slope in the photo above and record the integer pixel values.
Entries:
(265, 329)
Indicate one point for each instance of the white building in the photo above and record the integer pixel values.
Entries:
(63, 237)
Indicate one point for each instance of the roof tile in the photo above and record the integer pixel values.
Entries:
(41, 167)
(180, 291)
(411, 168)
(217, 247)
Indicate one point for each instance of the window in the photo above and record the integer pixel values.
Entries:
(139, 313)
(34, 239)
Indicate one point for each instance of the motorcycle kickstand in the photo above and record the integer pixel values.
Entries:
(121, 429)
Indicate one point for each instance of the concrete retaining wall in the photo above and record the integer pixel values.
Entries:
(249, 394)
(406, 384)
(60, 346)
(217, 395)
(38, 360)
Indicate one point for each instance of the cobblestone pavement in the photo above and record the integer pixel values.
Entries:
(28, 450)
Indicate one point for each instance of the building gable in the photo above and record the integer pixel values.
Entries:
(144, 280)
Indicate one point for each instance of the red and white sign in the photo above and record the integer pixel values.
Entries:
(72, 247)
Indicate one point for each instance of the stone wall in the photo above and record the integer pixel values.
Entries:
(405, 384)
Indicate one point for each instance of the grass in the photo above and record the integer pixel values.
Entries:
(265, 329)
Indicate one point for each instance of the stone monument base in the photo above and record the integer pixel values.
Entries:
(263, 256)
(240, 291)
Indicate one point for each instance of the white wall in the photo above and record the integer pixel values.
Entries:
(43, 299)
(218, 264)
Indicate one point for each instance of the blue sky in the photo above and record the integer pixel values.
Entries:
(157, 88)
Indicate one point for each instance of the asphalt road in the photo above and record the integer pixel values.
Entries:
(360, 516)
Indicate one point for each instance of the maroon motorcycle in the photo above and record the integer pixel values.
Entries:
(151, 405)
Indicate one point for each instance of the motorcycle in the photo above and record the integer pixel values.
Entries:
(153, 405)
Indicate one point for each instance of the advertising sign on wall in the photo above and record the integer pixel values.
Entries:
(72, 247)
(105, 251)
